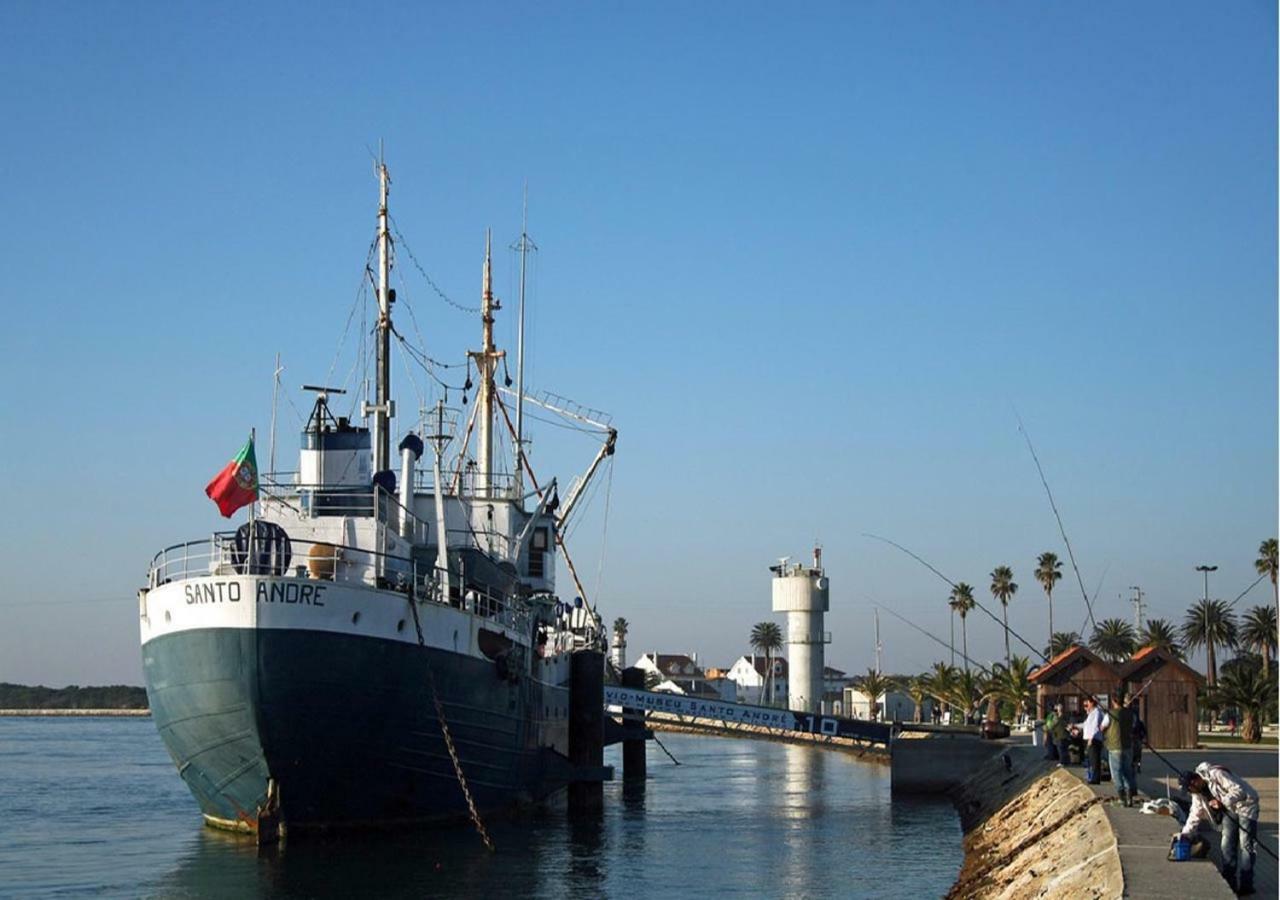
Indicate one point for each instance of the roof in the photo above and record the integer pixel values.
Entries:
(1150, 659)
(678, 664)
(780, 662)
(1070, 661)
(829, 672)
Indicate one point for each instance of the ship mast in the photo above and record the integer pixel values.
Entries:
(524, 246)
(383, 408)
(486, 360)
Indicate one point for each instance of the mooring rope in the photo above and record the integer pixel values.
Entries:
(448, 737)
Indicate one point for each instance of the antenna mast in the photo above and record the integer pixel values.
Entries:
(878, 646)
(383, 407)
(524, 245)
(1138, 605)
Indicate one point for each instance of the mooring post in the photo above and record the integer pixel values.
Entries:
(586, 728)
(633, 749)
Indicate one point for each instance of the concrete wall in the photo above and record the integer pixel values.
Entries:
(937, 763)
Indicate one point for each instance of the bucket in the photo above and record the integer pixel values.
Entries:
(1180, 849)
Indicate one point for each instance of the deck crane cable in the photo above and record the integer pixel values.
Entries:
(1054, 506)
(604, 532)
(1083, 690)
(395, 229)
(356, 304)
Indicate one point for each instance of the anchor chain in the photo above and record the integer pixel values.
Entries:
(448, 737)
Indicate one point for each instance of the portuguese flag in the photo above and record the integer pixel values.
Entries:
(237, 484)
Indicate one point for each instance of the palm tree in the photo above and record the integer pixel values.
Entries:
(1162, 634)
(766, 637)
(1015, 686)
(1062, 641)
(1003, 589)
(873, 684)
(967, 691)
(1048, 573)
(1248, 691)
(1114, 640)
(962, 601)
(918, 690)
(1211, 624)
(1258, 632)
(942, 684)
(1266, 564)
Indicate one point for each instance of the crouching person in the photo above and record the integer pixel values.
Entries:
(1218, 794)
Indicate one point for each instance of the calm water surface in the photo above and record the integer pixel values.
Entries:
(95, 806)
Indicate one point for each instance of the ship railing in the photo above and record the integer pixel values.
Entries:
(318, 500)
(339, 563)
(502, 485)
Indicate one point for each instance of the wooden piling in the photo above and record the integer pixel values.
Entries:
(633, 749)
(586, 729)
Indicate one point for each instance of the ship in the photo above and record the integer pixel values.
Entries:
(381, 643)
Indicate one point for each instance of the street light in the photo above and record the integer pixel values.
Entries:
(1206, 570)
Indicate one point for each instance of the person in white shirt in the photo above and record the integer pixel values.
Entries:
(1090, 729)
(1215, 793)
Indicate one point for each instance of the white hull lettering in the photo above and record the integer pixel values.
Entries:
(291, 592)
(212, 592)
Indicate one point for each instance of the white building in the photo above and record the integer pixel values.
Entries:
(834, 681)
(679, 674)
(748, 673)
(895, 706)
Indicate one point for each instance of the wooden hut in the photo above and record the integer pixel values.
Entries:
(1166, 690)
(1071, 676)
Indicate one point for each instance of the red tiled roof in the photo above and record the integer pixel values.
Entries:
(1065, 657)
(1150, 652)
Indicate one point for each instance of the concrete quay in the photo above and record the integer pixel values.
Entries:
(1036, 829)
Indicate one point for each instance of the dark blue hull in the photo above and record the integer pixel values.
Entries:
(346, 727)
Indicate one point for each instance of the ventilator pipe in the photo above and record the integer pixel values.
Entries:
(410, 453)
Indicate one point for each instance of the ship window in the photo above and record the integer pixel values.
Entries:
(539, 541)
(537, 564)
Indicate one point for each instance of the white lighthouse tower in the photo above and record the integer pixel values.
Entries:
(802, 593)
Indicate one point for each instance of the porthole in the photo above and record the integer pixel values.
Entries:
(167, 617)
(355, 617)
(400, 625)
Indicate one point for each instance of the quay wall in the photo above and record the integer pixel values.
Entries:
(75, 712)
(1031, 829)
(672, 723)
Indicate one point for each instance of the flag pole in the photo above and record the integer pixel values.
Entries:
(253, 505)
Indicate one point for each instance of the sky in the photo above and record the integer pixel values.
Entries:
(814, 259)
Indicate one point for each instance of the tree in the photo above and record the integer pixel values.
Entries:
(620, 626)
(918, 690)
(1114, 640)
(1250, 692)
(1062, 641)
(873, 684)
(1162, 634)
(1003, 589)
(1258, 632)
(962, 601)
(1048, 573)
(942, 682)
(1012, 685)
(1209, 624)
(766, 638)
(1267, 564)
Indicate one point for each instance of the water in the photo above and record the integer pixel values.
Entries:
(95, 806)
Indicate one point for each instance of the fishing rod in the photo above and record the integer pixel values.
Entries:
(1097, 589)
(1083, 690)
(1054, 506)
(933, 637)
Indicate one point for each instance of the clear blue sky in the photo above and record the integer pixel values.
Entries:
(810, 258)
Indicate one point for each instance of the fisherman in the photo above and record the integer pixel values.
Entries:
(1216, 793)
(1058, 736)
(1095, 720)
(1050, 741)
(1117, 733)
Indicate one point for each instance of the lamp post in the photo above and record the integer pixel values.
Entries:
(1213, 669)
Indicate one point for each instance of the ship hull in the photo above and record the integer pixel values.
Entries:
(345, 727)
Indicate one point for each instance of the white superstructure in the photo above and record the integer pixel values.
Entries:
(802, 592)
